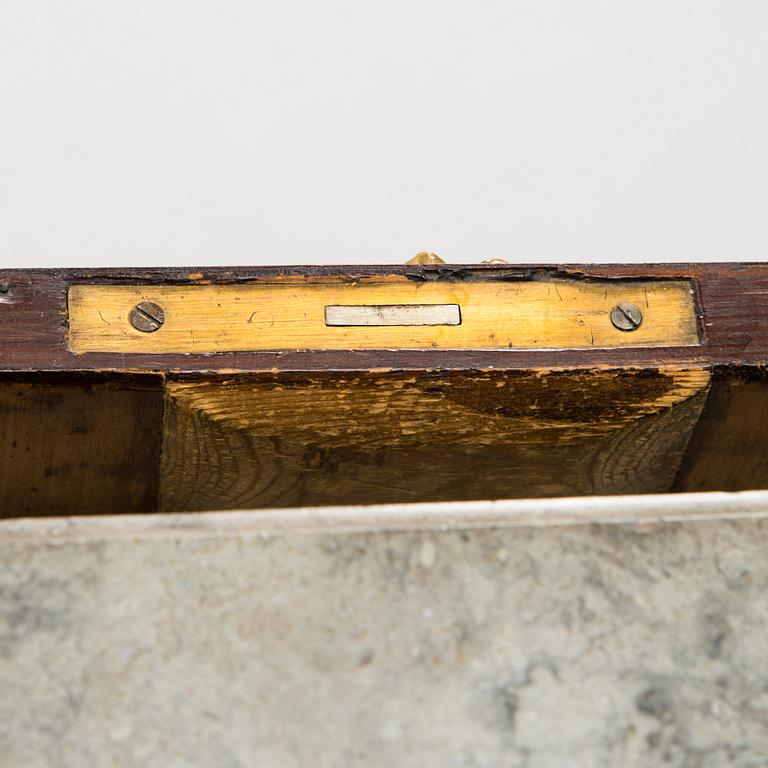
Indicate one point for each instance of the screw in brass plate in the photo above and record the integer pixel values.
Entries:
(147, 316)
(626, 317)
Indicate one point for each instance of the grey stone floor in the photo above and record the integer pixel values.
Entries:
(506, 647)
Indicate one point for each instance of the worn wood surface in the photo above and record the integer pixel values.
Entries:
(79, 446)
(280, 428)
(556, 314)
(729, 449)
(381, 438)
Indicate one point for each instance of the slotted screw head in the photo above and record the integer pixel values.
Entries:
(626, 317)
(147, 316)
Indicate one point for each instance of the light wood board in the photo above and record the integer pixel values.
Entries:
(360, 439)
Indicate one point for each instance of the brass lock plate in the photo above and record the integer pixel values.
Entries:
(553, 314)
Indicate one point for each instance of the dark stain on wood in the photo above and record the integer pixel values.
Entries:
(729, 447)
(79, 446)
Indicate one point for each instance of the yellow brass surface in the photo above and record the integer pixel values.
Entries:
(555, 314)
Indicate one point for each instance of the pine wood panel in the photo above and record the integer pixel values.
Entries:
(235, 443)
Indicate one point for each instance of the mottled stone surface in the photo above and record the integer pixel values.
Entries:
(581, 646)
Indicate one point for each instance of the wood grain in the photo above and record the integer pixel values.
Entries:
(286, 427)
(79, 446)
(729, 449)
(343, 439)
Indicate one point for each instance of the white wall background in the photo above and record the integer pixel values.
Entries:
(298, 131)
